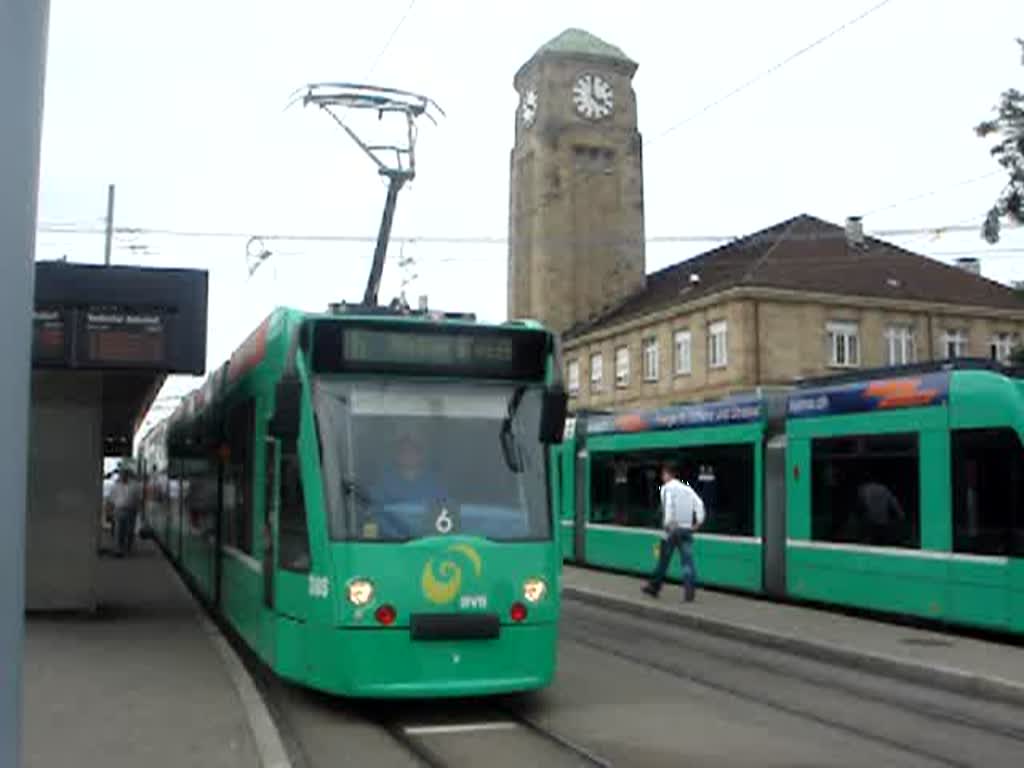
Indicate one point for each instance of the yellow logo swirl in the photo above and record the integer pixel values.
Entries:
(441, 585)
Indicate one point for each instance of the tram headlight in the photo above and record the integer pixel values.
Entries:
(534, 590)
(360, 591)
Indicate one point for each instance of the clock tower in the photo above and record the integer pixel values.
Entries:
(576, 208)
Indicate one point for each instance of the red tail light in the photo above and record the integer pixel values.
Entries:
(386, 615)
(518, 612)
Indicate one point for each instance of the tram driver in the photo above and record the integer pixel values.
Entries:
(404, 492)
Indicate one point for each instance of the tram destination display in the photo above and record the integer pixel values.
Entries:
(116, 336)
(48, 336)
(483, 353)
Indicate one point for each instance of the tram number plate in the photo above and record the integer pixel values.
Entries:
(454, 626)
(445, 519)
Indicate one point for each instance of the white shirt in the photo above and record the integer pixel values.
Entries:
(124, 495)
(683, 508)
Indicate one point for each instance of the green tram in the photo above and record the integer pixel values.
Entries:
(365, 498)
(898, 490)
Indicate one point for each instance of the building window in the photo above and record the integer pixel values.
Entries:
(596, 372)
(718, 345)
(843, 345)
(593, 159)
(622, 367)
(650, 359)
(954, 344)
(574, 377)
(899, 341)
(1001, 347)
(683, 354)
(865, 490)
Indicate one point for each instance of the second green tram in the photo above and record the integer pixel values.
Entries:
(365, 497)
(898, 490)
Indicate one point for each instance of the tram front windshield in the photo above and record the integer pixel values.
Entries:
(409, 460)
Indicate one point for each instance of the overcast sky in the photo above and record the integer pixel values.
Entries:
(182, 105)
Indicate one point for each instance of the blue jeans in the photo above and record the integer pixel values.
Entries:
(682, 540)
(124, 529)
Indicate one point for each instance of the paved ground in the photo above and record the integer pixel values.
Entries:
(139, 684)
(632, 691)
(972, 661)
(646, 694)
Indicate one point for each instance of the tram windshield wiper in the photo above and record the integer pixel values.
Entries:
(509, 445)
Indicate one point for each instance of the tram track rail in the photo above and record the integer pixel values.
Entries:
(535, 726)
(506, 717)
(594, 634)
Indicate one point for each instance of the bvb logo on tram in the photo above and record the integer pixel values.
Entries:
(442, 582)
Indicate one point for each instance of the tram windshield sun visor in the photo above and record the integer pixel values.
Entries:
(410, 460)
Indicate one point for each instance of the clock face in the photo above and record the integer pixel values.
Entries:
(528, 107)
(593, 96)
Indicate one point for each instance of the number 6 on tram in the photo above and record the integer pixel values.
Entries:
(366, 499)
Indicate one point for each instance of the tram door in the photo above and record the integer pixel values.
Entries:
(773, 541)
(581, 496)
(270, 508)
(292, 582)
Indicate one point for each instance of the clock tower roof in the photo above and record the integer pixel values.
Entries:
(579, 43)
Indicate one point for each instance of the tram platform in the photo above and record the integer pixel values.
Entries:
(144, 681)
(946, 659)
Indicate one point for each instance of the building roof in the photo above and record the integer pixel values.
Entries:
(580, 42)
(809, 255)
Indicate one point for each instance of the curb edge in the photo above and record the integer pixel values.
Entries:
(265, 733)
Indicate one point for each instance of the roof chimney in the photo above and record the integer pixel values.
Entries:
(423, 302)
(854, 231)
(969, 264)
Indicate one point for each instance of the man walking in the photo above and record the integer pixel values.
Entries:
(124, 500)
(683, 513)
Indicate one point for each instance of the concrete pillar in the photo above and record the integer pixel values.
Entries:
(65, 487)
(23, 25)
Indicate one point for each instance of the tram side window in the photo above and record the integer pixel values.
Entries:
(201, 499)
(625, 488)
(988, 491)
(238, 479)
(293, 533)
(865, 490)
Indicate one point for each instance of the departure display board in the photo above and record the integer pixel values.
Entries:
(97, 317)
(118, 337)
(48, 336)
(440, 350)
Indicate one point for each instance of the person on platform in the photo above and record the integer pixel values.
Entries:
(123, 504)
(682, 514)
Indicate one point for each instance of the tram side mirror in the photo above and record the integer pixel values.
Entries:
(284, 424)
(552, 414)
